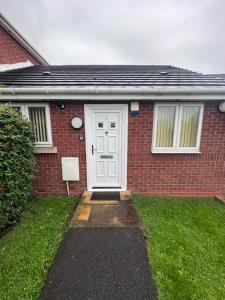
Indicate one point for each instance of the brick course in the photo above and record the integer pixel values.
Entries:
(12, 52)
(157, 174)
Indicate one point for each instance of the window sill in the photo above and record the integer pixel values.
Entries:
(47, 150)
(176, 152)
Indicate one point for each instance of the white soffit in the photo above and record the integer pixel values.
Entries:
(19, 65)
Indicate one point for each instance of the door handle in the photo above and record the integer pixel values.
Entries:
(92, 149)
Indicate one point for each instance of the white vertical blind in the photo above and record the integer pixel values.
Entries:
(165, 126)
(189, 126)
(37, 116)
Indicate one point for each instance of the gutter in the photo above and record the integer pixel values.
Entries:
(112, 93)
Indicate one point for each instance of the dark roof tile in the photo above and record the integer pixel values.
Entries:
(112, 75)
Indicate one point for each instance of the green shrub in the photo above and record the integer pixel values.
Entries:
(16, 164)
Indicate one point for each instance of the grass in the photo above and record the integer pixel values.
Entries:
(27, 252)
(186, 246)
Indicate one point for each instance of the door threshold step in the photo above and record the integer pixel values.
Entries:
(104, 196)
(124, 198)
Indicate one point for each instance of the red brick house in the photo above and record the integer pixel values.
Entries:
(15, 51)
(156, 130)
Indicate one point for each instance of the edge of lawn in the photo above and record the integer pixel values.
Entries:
(28, 250)
(186, 257)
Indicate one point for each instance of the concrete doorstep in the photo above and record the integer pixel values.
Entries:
(105, 213)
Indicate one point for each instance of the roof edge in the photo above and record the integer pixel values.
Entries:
(115, 93)
(21, 40)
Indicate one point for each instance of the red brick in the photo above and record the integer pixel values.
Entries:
(12, 52)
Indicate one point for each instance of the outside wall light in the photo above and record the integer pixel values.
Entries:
(222, 107)
(60, 105)
(134, 108)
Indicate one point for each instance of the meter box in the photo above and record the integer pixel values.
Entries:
(70, 169)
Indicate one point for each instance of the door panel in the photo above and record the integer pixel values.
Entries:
(100, 144)
(100, 168)
(112, 168)
(112, 144)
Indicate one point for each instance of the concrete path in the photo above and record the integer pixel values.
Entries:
(105, 213)
(103, 256)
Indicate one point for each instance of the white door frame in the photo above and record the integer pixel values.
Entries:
(88, 108)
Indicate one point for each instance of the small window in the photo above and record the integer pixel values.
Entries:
(177, 128)
(39, 116)
(100, 125)
(112, 125)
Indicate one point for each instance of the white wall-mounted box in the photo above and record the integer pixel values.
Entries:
(70, 169)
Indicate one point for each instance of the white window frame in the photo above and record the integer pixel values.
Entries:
(24, 110)
(177, 127)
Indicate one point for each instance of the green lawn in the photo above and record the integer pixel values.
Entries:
(186, 246)
(27, 252)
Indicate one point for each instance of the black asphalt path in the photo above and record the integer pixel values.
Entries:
(101, 263)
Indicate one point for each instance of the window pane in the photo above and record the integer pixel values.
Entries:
(189, 126)
(37, 117)
(100, 124)
(112, 125)
(165, 126)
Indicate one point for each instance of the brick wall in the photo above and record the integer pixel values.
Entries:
(66, 139)
(12, 52)
(160, 174)
(177, 174)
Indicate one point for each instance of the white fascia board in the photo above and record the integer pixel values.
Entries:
(113, 93)
(19, 65)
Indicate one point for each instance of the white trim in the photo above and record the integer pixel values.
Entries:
(19, 65)
(176, 137)
(161, 151)
(87, 113)
(47, 150)
(112, 93)
(106, 190)
(24, 109)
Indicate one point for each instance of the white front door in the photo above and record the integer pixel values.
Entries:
(106, 144)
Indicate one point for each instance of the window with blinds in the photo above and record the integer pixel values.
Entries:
(37, 116)
(177, 128)
(165, 126)
(189, 126)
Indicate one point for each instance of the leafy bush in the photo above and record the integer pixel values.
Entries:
(16, 164)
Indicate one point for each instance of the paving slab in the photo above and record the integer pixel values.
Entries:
(105, 215)
(113, 215)
(101, 263)
(80, 216)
